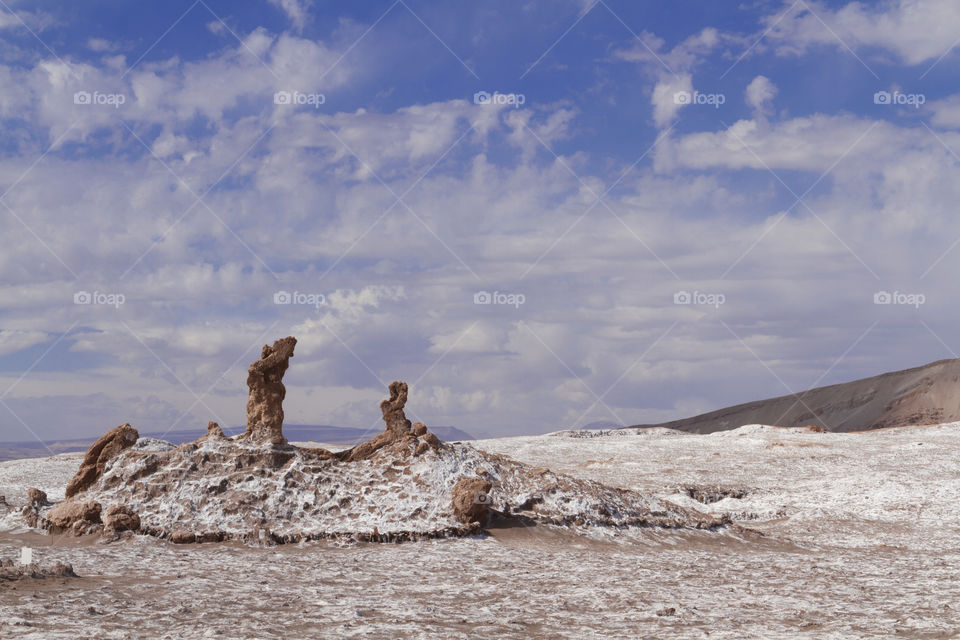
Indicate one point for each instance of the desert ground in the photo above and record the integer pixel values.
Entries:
(845, 535)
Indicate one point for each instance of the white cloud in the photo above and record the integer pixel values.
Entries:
(917, 31)
(946, 112)
(812, 143)
(101, 45)
(665, 99)
(297, 11)
(760, 94)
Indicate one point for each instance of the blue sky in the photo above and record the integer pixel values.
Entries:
(744, 154)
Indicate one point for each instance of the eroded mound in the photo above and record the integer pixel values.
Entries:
(403, 484)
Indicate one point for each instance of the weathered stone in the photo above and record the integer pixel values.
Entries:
(182, 537)
(73, 515)
(213, 431)
(392, 408)
(397, 427)
(265, 401)
(119, 517)
(36, 498)
(431, 440)
(419, 428)
(471, 502)
(99, 454)
(9, 571)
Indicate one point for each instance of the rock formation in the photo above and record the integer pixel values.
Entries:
(471, 500)
(100, 453)
(119, 518)
(213, 431)
(404, 484)
(37, 498)
(392, 409)
(265, 402)
(397, 429)
(74, 516)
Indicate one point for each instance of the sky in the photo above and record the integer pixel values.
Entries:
(540, 215)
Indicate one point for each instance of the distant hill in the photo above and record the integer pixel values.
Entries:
(922, 395)
(345, 436)
(600, 424)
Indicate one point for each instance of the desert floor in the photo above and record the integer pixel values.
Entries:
(861, 538)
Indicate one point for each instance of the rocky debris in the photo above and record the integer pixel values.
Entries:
(10, 571)
(37, 498)
(265, 401)
(119, 518)
(74, 516)
(100, 453)
(816, 428)
(667, 611)
(419, 428)
(471, 500)
(708, 494)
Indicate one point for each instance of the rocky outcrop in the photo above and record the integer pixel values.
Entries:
(265, 401)
(471, 500)
(119, 518)
(397, 427)
(213, 431)
(392, 409)
(100, 453)
(74, 516)
(37, 498)
(404, 484)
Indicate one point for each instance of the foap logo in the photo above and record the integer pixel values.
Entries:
(699, 298)
(901, 99)
(297, 297)
(98, 298)
(695, 97)
(500, 298)
(100, 99)
(296, 98)
(515, 100)
(898, 297)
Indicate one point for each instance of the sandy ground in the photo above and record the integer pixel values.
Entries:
(862, 539)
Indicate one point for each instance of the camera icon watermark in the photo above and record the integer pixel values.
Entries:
(114, 300)
(699, 298)
(901, 99)
(900, 298)
(697, 98)
(310, 299)
(515, 100)
(97, 98)
(499, 298)
(296, 98)
(482, 498)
